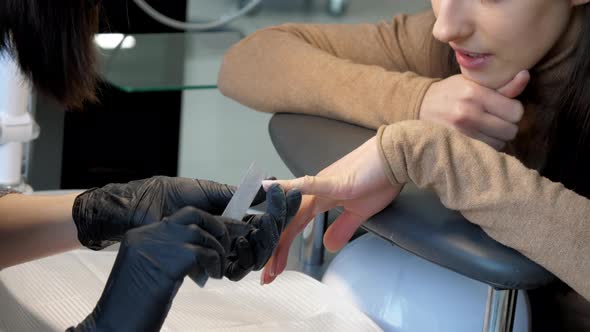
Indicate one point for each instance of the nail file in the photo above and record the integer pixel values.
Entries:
(247, 190)
(239, 204)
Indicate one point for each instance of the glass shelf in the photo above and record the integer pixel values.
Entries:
(163, 61)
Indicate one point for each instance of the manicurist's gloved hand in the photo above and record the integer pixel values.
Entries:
(154, 259)
(103, 215)
(251, 250)
(150, 267)
(254, 239)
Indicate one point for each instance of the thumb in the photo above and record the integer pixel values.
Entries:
(516, 86)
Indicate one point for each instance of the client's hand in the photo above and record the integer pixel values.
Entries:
(488, 115)
(357, 182)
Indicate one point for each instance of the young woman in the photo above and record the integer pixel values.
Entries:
(169, 227)
(510, 74)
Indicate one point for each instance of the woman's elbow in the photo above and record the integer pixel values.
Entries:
(242, 62)
(223, 79)
(227, 72)
(237, 68)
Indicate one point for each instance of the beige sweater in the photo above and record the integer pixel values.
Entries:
(375, 75)
(513, 204)
(363, 74)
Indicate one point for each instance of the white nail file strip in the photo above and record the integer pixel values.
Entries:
(247, 190)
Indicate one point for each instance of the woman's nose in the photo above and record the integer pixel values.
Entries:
(454, 21)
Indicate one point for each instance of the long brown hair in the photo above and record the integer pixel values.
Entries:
(567, 109)
(568, 159)
(52, 42)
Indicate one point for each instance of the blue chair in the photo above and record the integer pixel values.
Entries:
(307, 144)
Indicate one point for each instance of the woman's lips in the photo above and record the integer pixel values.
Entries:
(471, 60)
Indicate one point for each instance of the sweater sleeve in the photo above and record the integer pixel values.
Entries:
(513, 204)
(367, 74)
(4, 192)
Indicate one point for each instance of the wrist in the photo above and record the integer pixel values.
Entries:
(423, 113)
(38, 225)
(383, 147)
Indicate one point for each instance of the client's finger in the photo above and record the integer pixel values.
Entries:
(342, 230)
(308, 209)
(278, 262)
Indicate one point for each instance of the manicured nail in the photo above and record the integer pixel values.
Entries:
(267, 183)
(272, 271)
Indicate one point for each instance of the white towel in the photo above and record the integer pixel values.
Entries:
(54, 293)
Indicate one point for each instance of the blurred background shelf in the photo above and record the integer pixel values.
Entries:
(158, 61)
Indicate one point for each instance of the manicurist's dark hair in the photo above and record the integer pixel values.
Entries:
(52, 41)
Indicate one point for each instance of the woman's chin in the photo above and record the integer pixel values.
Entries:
(488, 79)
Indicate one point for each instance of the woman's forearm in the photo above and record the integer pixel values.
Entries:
(513, 204)
(366, 74)
(32, 227)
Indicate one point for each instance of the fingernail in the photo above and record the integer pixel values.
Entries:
(262, 279)
(267, 183)
(272, 271)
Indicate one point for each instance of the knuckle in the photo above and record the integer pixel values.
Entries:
(512, 132)
(518, 111)
(308, 181)
(471, 92)
(160, 178)
(346, 188)
(132, 241)
(189, 210)
(462, 115)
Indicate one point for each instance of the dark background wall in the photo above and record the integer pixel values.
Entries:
(126, 136)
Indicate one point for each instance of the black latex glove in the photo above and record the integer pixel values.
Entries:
(150, 267)
(103, 215)
(251, 251)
